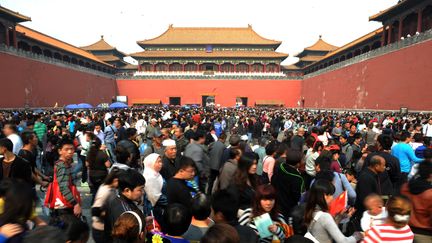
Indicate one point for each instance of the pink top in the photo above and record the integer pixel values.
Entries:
(268, 165)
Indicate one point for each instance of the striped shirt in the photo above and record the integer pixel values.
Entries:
(246, 219)
(387, 233)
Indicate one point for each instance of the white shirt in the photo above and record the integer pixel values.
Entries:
(141, 126)
(17, 142)
(427, 130)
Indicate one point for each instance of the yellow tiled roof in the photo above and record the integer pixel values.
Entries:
(208, 35)
(233, 54)
(311, 58)
(100, 45)
(404, 4)
(15, 15)
(321, 45)
(35, 35)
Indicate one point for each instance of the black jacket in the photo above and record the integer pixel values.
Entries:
(368, 182)
(20, 169)
(169, 167)
(389, 179)
(289, 184)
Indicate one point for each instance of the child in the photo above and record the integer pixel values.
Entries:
(375, 214)
(350, 175)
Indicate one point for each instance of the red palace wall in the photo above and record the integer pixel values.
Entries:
(47, 84)
(225, 91)
(399, 79)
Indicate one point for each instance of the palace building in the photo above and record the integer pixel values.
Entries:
(385, 69)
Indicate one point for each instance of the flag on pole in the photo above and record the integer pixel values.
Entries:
(339, 204)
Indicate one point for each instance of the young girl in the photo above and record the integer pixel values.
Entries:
(265, 202)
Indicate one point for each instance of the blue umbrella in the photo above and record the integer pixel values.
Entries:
(84, 106)
(71, 107)
(118, 105)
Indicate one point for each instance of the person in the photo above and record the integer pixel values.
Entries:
(288, 182)
(419, 191)
(264, 203)
(130, 144)
(196, 151)
(269, 161)
(427, 128)
(129, 228)
(120, 130)
(10, 130)
(396, 228)
(201, 222)
(151, 130)
(180, 188)
(245, 180)
(75, 229)
(225, 207)
(405, 154)
(71, 205)
(228, 169)
(310, 158)
(375, 213)
(131, 190)
(261, 153)
(335, 164)
(221, 233)
(321, 224)
(390, 178)
(16, 207)
(368, 182)
(216, 150)
(106, 192)
(297, 142)
(8, 231)
(177, 219)
(13, 166)
(155, 187)
(47, 233)
(99, 133)
(155, 144)
(181, 141)
(346, 149)
(170, 159)
(109, 134)
(97, 161)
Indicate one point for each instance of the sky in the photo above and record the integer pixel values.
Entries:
(298, 24)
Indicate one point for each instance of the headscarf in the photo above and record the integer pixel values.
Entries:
(154, 180)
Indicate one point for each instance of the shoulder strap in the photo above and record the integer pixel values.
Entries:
(340, 178)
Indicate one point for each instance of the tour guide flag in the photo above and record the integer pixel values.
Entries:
(339, 204)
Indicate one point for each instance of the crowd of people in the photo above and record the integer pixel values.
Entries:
(216, 175)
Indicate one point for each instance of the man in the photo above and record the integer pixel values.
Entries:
(109, 134)
(156, 145)
(131, 146)
(196, 151)
(346, 150)
(405, 154)
(225, 206)
(288, 182)
(390, 178)
(427, 128)
(169, 159)
(261, 154)
(39, 128)
(121, 131)
(180, 139)
(63, 173)
(150, 131)
(141, 125)
(216, 150)
(180, 188)
(13, 166)
(99, 133)
(11, 132)
(297, 142)
(368, 182)
(28, 152)
(131, 191)
(229, 168)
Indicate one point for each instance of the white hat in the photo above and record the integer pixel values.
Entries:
(244, 137)
(168, 143)
(153, 120)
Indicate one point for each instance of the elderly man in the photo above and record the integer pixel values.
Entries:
(298, 140)
(150, 130)
(169, 159)
(181, 140)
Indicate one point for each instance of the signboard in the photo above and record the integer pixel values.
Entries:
(121, 99)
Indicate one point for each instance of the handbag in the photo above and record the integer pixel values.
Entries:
(308, 233)
(54, 199)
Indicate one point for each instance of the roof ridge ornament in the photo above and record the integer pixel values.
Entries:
(102, 37)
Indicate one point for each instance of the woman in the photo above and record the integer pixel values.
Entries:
(129, 228)
(97, 162)
(269, 161)
(321, 224)
(311, 156)
(106, 192)
(265, 202)
(245, 180)
(155, 186)
(396, 228)
(419, 191)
